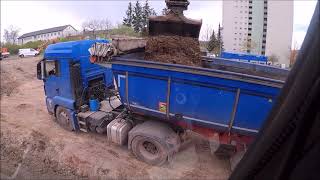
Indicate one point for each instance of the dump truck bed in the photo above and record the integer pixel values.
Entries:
(211, 98)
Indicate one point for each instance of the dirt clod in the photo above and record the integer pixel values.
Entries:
(174, 50)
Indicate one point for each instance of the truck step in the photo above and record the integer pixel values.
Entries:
(83, 130)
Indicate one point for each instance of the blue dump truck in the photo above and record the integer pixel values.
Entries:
(152, 106)
(260, 59)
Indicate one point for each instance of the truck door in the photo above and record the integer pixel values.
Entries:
(52, 73)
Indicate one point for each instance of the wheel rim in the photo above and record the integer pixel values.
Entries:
(63, 118)
(150, 147)
(149, 150)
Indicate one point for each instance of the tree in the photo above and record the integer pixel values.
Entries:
(165, 11)
(95, 25)
(137, 17)
(273, 58)
(219, 39)
(11, 34)
(213, 43)
(147, 11)
(248, 45)
(128, 20)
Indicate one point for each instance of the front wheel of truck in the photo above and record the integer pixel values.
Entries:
(63, 118)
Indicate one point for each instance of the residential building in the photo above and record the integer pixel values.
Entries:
(261, 27)
(47, 34)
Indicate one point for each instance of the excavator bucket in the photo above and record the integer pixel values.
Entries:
(174, 23)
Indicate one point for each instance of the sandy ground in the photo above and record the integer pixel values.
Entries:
(34, 146)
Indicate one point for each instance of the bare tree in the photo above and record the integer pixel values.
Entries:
(95, 25)
(293, 53)
(207, 33)
(273, 58)
(11, 34)
(247, 45)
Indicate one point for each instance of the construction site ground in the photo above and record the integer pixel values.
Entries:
(33, 146)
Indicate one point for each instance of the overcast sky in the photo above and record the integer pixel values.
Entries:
(36, 15)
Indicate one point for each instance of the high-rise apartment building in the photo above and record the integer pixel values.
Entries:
(258, 27)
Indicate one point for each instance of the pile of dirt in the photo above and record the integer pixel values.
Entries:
(173, 49)
(33, 157)
(8, 83)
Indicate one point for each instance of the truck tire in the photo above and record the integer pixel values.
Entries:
(153, 142)
(21, 56)
(149, 150)
(63, 118)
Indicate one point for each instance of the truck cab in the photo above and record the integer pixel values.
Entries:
(70, 79)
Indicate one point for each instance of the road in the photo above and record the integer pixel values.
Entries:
(34, 146)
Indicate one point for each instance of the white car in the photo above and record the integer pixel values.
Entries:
(28, 52)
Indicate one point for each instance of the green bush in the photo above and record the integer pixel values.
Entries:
(14, 48)
(124, 30)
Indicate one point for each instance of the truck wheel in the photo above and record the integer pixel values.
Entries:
(149, 150)
(21, 56)
(153, 142)
(63, 118)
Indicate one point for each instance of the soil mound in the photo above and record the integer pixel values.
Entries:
(173, 49)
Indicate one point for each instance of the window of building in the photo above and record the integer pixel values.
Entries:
(235, 22)
(250, 12)
(264, 36)
(245, 28)
(240, 28)
(250, 17)
(265, 13)
(265, 8)
(264, 30)
(249, 29)
(249, 34)
(250, 1)
(250, 23)
(263, 46)
(235, 38)
(263, 41)
(248, 51)
(265, 19)
(262, 52)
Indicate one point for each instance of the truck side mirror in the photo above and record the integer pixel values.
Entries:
(41, 70)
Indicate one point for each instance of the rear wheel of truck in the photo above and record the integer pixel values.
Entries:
(63, 118)
(21, 56)
(153, 142)
(149, 150)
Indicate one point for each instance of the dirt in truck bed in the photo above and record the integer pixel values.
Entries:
(173, 49)
(34, 146)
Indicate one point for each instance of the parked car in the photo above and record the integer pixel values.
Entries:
(28, 52)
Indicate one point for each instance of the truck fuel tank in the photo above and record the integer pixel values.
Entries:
(117, 131)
